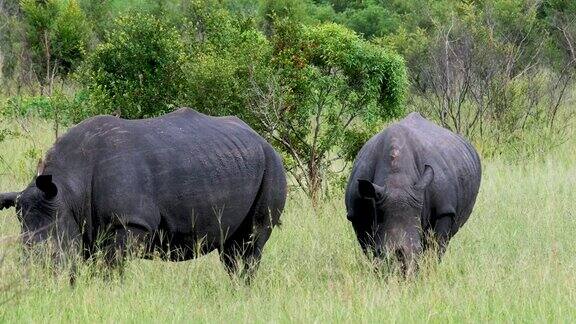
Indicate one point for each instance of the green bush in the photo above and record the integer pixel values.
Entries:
(66, 109)
(371, 21)
(330, 87)
(226, 56)
(57, 33)
(138, 70)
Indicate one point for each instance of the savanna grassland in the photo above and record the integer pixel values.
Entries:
(515, 260)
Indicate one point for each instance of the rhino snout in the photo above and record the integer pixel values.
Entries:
(403, 246)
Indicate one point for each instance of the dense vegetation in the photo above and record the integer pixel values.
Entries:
(315, 77)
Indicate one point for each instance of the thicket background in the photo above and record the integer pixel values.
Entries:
(317, 78)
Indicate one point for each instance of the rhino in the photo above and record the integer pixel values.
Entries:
(176, 186)
(412, 187)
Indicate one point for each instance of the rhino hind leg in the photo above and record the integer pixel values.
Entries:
(241, 253)
(443, 232)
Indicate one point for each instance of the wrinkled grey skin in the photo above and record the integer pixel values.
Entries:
(182, 184)
(412, 179)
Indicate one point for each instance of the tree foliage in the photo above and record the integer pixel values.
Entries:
(315, 77)
(329, 86)
(138, 70)
(225, 55)
(57, 32)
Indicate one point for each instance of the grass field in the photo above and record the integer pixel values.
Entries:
(515, 260)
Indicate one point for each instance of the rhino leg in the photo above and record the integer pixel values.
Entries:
(247, 243)
(126, 240)
(242, 252)
(443, 232)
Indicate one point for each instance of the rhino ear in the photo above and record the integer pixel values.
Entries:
(45, 184)
(8, 199)
(426, 178)
(367, 189)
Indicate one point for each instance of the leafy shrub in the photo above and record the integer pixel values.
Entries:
(67, 110)
(225, 58)
(58, 33)
(371, 21)
(330, 87)
(138, 71)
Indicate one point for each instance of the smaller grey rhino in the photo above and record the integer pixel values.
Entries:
(410, 180)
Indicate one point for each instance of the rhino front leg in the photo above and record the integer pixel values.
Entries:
(127, 240)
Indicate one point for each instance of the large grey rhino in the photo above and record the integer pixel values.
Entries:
(412, 186)
(183, 184)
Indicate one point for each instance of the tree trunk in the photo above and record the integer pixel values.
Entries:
(315, 183)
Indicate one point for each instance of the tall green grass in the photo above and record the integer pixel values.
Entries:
(515, 260)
